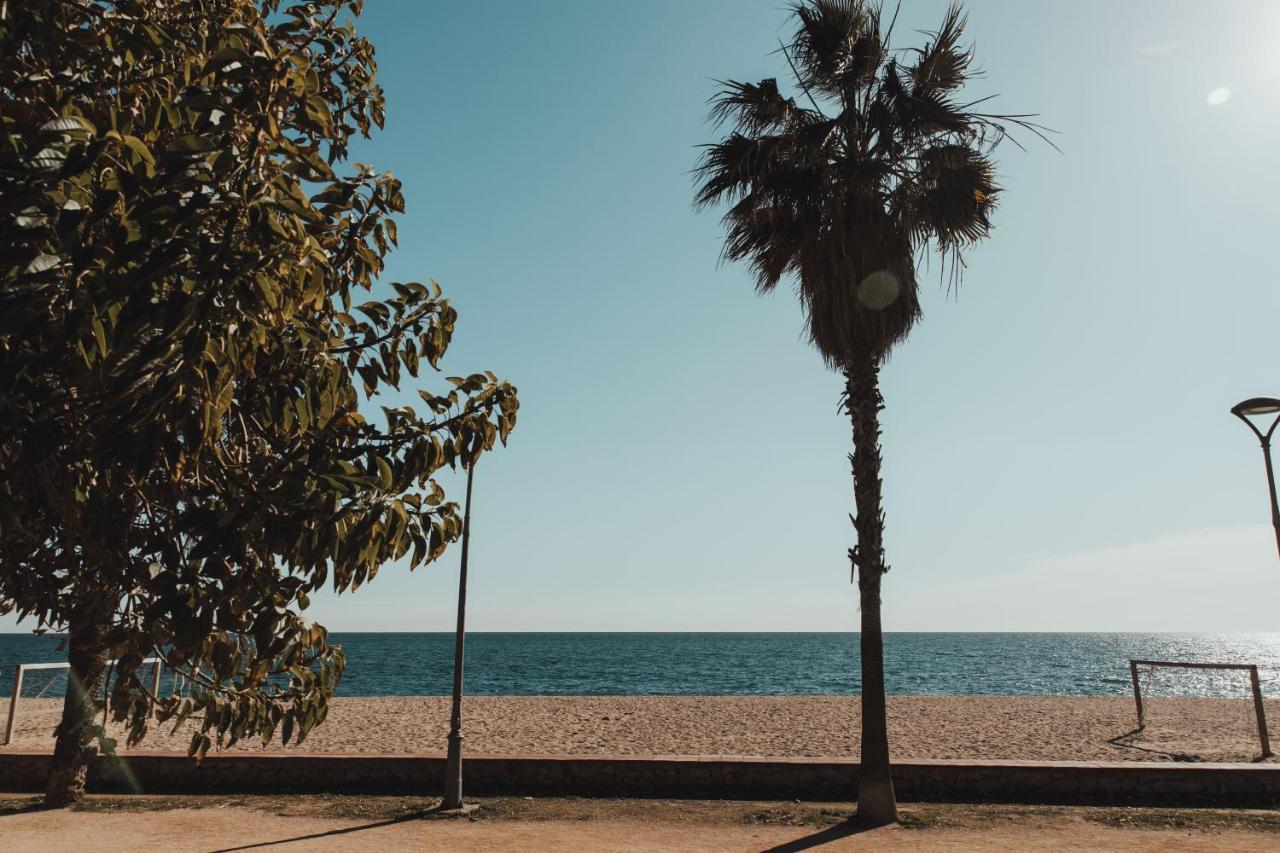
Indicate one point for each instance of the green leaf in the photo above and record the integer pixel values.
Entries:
(138, 148)
(68, 123)
(191, 144)
(99, 335)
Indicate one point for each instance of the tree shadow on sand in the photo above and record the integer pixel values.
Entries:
(35, 804)
(821, 837)
(422, 814)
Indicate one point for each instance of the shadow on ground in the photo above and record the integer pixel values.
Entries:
(1126, 741)
(332, 832)
(819, 838)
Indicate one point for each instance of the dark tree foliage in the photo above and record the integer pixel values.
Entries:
(187, 332)
(871, 163)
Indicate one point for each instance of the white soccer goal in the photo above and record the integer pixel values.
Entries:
(27, 667)
(1254, 683)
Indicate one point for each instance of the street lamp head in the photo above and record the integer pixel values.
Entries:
(1256, 406)
(1253, 407)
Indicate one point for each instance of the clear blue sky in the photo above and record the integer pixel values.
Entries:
(1058, 449)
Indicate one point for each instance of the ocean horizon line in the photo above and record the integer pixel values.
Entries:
(578, 663)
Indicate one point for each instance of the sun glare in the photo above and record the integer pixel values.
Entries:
(1218, 96)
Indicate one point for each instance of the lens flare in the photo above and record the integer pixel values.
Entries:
(1218, 96)
(878, 290)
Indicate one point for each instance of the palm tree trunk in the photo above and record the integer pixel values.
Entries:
(876, 803)
(73, 748)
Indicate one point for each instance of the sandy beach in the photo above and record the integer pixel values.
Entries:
(989, 727)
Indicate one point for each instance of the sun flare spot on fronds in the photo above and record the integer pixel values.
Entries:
(879, 290)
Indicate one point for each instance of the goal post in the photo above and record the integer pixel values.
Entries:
(1254, 683)
(22, 668)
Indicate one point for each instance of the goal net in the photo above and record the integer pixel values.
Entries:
(1199, 708)
(37, 689)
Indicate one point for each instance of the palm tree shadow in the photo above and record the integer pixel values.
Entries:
(405, 818)
(821, 837)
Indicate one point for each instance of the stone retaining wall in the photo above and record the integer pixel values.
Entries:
(1125, 783)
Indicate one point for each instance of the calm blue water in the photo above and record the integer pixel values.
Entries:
(742, 664)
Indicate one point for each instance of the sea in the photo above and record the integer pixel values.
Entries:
(744, 664)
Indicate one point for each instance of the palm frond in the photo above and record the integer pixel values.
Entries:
(784, 162)
(927, 113)
(837, 45)
(917, 114)
(770, 237)
(942, 65)
(752, 108)
(953, 196)
(727, 170)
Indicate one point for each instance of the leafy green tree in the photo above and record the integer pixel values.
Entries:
(843, 187)
(187, 334)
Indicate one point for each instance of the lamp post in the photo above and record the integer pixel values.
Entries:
(1253, 407)
(453, 764)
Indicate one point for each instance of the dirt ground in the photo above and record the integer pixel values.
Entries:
(384, 824)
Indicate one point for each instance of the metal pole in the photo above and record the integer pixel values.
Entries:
(155, 679)
(1137, 692)
(453, 765)
(1258, 406)
(13, 705)
(1271, 484)
(1260, 712)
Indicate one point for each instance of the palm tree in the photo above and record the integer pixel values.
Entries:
(870, 167)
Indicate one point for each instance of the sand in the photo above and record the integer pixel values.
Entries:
(988, 727)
